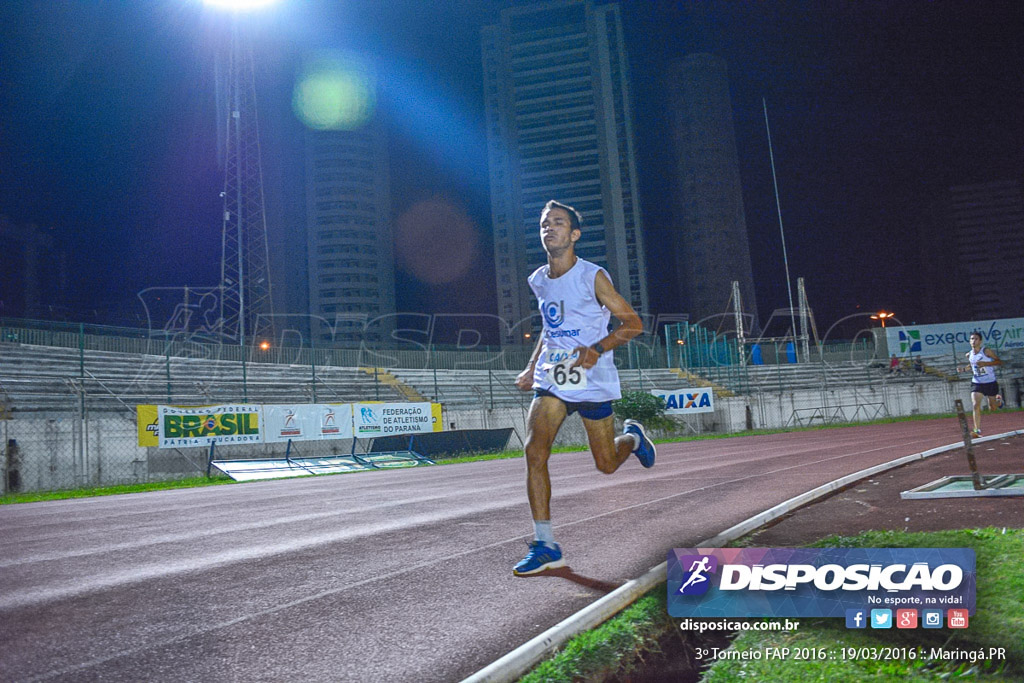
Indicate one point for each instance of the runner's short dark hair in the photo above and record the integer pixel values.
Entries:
(575, 220)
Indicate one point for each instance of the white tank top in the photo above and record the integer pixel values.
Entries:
(981, 375)
(573, 317)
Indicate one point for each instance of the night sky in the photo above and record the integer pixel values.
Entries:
(108, 135)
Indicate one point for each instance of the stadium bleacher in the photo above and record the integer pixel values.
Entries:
(42, 378)
(797, 376)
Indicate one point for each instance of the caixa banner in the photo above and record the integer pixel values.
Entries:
(686, 401)
(817, 582)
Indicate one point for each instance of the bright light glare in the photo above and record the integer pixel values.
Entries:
(883, 316)
(436, 241)
(239, 5)
(335, 91)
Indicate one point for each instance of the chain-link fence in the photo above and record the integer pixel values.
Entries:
(67, 410)
(79, 441)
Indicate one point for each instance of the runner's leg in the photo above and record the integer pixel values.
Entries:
(546, 416)
(609, 451)
(976, 399)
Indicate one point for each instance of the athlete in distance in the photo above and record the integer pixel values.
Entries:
(982, 362)
(572, 371)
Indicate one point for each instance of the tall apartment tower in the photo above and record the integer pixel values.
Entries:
(988, 224)
(348, 227)
(33, 271)
(559, 126)
(711, 246)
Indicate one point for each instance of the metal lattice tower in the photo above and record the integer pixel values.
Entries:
(246, 306)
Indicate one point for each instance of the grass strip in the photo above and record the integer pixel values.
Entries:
(632, 636)
(617, 647)
(63, 494)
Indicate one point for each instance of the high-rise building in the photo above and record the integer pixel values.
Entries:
(936, 281)
(348, 227)
(559, 126)
(711, 246)
(988, 223)
(33, 271)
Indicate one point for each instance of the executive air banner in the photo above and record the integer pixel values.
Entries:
(952, 338)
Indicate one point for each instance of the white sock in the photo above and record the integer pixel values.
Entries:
(636, 440)
(542, 532)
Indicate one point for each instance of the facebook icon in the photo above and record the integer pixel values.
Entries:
(856, 618)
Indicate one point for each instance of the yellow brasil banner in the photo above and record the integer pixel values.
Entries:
(180, 426)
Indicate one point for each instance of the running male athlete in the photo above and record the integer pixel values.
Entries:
(982, 363)
(573, 371)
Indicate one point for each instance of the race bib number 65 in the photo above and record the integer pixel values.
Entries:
(567, 378)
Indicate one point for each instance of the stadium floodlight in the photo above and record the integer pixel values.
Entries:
(246, 307)
(239, 5)
(883, 316)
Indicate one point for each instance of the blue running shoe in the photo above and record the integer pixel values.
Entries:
(645, 451)
(541, 556)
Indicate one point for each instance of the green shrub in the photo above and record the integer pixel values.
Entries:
(645, 408)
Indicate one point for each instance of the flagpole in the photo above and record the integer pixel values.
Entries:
(782, 232)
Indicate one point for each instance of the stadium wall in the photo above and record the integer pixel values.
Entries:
(60, 450)
(766, 410)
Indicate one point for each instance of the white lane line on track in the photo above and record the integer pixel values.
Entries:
(585, 470)
(268, 611)
(54, 513)
(161, 570)
(722, 483)
(234, 528)
(389, 575)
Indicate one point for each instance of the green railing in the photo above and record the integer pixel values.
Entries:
(89, 337)
(689, 347)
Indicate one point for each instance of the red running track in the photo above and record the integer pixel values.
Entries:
(398, 575)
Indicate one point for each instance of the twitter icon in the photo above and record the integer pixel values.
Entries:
(881, 618)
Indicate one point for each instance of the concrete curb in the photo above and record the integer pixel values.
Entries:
(519, 661)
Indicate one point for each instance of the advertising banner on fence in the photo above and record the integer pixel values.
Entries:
(686, 401)
(178, 427)
(145, 418)
(950, 338)
(307, 422)
(819, 582)
(334, 421)
(202, 426)
(387, 419)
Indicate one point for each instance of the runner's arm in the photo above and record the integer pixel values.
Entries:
(525, 379)
(630, 325)
(965, 368)
(995, 359)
